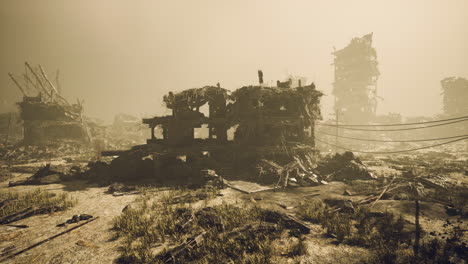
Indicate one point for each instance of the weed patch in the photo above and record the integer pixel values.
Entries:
(45, 202)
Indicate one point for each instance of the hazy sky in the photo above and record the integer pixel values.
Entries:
(123, 56)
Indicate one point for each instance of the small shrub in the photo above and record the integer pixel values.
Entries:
(313, 210)
(298, 248)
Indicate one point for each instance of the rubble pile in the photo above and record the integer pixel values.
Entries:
(344, 167)
(299, 172)
(44, 175)
(30, 153)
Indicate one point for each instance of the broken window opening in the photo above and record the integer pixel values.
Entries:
(205, 110)
(201, 132)
(158, 132)
(231, 132)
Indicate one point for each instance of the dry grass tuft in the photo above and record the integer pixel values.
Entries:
(151, 225)
(11, 202)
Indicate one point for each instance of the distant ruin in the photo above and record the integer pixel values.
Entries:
(355, 85)
(47, 116)
(455, 96)
(50, 122)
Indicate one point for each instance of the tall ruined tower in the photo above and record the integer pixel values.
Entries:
(355, 86)
(455, 96)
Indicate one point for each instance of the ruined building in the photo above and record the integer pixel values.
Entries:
(47, 116)
(265, 119)
(455, 96)
(46, 122)
(355, 85)
(251, 124)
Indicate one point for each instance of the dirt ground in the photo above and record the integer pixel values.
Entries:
(93, 243)
(96, 243)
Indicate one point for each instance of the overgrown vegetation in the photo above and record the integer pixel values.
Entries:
(431, 251)
(227, 233)
(12, 202)
(386, 234)
(360, 227)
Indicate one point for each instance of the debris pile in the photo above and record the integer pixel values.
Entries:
(299, 172)
(67, 150)
(44, 175)
(344, 167)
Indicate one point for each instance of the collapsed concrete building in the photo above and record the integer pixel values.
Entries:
(46, 122)
(455, 96)
(355, 85)
(250, 125)
(47, 116)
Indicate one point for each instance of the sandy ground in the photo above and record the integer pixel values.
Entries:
(90, 243)
(94, 243)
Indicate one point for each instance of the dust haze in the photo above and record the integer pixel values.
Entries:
(260, 132)
(121, 56)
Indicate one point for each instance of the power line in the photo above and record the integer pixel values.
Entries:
(402, 124)
(390, 152)
(377, 140)
(396, 129)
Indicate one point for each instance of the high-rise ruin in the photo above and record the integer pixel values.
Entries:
(355, 85)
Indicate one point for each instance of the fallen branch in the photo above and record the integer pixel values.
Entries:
(382, 193)
(30, 211)
(18, 226)
(48, 239)
(289, 221)
(173, 254)
(237, 189)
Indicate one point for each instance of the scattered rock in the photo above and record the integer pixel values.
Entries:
(120, 188)
(76, 219)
